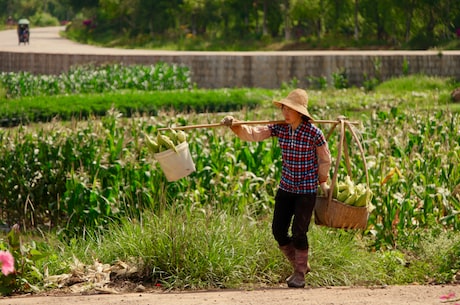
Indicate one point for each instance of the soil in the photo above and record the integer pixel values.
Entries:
(401, 295)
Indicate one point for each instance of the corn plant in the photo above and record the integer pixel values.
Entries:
(426, 154)
(77, 176)
(92, 79)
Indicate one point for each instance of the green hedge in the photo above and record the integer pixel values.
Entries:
(45, 108)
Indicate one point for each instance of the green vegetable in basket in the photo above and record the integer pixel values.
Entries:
(364, 199)
(351, 199)
(152, 144)
(165, 142)
(356, 195)
(173, 135)
(335, 191)
(346, 189)
(181, 136)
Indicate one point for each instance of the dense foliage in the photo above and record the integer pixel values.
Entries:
(416, 24)
(238, 23)
(40, 13)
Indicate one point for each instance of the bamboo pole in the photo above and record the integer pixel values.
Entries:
(263, 122)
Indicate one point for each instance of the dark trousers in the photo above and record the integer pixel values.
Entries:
(295, 208)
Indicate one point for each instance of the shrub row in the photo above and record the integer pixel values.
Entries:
(129, 103)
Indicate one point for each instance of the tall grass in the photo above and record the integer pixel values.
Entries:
(201, 248)
(416, 83)
(190, 248)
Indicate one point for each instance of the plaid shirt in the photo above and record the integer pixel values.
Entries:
(300, 163)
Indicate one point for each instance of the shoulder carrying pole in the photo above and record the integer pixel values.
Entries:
(263, 122)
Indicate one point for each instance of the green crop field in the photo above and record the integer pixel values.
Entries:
(86, 188)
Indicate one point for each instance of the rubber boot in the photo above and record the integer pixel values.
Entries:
(302, 267)
(289, 252)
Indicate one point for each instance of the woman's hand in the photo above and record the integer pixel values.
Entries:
(228, 121)
(325, 188)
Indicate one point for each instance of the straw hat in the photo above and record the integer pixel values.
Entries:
(297, 100)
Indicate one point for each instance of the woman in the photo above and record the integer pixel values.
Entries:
(306, 164)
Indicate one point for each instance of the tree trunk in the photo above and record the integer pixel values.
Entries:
(408, 25)
(356, 20)
(287, 27)
(319, 22)
(264, 26)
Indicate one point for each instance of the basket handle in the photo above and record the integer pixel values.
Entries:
(353, 133)
(343, 147)
(339, 156)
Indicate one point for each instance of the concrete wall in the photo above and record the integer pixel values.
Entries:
(254, 69)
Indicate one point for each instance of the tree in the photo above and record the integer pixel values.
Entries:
(407, 7)
(339, 15)
(287, 21)
(377, 16)
(418, 23)
(356, 14)
(240, 10)
(77, 5)
(307, 17)
(274, 16)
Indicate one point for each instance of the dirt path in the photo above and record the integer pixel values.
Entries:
(401, 295)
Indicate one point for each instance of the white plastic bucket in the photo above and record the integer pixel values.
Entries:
(176, 165)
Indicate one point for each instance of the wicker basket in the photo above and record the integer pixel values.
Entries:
(335, 214)
(331, 212)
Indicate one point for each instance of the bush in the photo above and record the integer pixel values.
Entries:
(41, 19)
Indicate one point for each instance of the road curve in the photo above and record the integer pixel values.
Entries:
(48, 40)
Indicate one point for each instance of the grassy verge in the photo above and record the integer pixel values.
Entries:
(190, 248)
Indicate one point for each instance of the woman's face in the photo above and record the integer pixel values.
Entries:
(290, 115)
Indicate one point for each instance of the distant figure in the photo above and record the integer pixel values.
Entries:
(458, 33)
(23, 33)
(10, 21)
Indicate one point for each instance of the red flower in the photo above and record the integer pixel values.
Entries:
(6, 262)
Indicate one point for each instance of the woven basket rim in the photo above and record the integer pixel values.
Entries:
(336, 214)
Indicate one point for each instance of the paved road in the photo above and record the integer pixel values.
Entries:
(48, 40)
